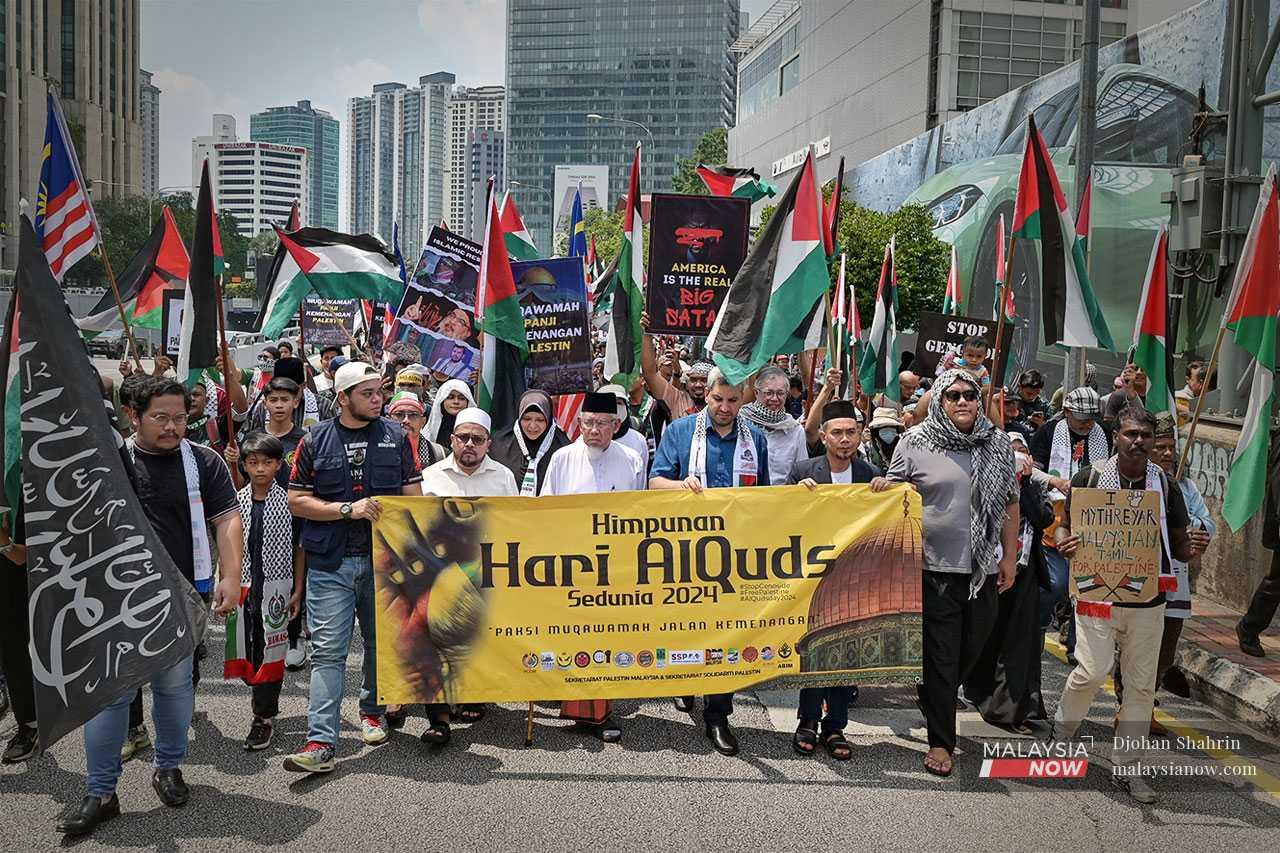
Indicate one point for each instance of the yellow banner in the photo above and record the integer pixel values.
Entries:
(645, 594)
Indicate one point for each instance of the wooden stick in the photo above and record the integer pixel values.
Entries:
(115, 291)
(528, 732)
(1204, 392)
(1001, 297)
(226, 378)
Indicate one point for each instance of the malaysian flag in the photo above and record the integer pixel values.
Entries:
(65, 222)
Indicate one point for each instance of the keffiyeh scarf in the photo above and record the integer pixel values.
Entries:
(202, 556)
(991, 481)
(1061, 460)
(262, 665)
(746, 462)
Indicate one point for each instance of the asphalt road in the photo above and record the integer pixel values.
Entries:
(662, 788)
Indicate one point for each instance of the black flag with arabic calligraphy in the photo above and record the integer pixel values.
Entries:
(108, 607)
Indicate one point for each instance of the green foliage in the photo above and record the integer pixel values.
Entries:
(264, 243)
(606, 228)
(240, 290)
(713, 150)
(126, 226)
(921, 259)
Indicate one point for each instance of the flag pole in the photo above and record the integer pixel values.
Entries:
(115, 291)
(1001, 298)
(1204, 392)
(226, 370)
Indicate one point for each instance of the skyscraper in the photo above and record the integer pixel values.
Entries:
(256, 182)
(149, 118)
(470, 109)
(303, 126)
(90, 52)
(397, 157)
(484, 158)
(663, 65)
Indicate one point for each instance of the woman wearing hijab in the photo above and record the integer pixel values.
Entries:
(963, 468)
(452, 397)
(526, 446)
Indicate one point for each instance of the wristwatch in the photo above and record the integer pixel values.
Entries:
(345, 509)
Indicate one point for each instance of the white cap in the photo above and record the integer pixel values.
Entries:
(622, 395)
(353, 373)
(472, 415)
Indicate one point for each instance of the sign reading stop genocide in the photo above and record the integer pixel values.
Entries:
(940, 334)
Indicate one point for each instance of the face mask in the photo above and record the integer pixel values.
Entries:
(960, 362)
(888, 435)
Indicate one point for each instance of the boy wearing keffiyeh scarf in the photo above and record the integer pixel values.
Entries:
(963, 467)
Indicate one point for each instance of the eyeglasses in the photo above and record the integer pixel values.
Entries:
(956, 396)
(468, 438)
(164, 420)
(403, 416)
(596, 423)
(773, 393)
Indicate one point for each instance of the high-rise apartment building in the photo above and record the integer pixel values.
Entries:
(257, 182)
(149, 118)
(484, 159)
(89, 50)
(660, 69)
(397, 157)
(470, 109)
(223, 129)
(303, 126)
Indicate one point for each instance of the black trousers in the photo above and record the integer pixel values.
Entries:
(1262, 609)
(266, 699)
(956, 629)
(716, 707)
(15, 656)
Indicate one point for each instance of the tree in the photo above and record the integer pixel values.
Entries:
(264, 243)
(713, 150)
(921, 261)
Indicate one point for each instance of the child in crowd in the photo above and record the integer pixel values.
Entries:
(271, 583)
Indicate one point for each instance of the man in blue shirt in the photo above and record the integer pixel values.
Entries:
(711, 450)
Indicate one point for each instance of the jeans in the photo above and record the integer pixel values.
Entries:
(334, 600)
(1060, 587)
(174, 702)
(837, 699)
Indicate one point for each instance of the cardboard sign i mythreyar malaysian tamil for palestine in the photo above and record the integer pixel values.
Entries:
(645, 594)
(1119, 555)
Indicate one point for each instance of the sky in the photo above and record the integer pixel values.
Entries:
(241, 56)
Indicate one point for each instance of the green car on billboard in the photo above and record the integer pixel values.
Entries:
(1144, 124)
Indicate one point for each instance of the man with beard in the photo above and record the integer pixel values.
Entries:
(963, 468)
(841, 435)
(340, 469)
(785, 434)
(592, 464)
(710, 450)
(182, 487)
(1136, 629)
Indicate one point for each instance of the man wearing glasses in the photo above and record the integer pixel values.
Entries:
(469, 471)
(180, 486)
(592, 464)
(784, 434)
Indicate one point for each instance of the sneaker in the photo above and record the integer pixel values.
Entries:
(260, 732)
(21, 746)
(373, 730)
(1136, 787)
(315, 757)
(134, 742)
(296, 657)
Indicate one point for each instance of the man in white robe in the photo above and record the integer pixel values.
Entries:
(592, 464)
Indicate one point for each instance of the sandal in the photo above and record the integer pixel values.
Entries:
(471, 713)
(939, 769)
(609, 731)
(395, 718)
(437, 733)
(837, 746)
(805, 740)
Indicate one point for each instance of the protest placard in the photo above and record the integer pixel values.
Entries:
(1119, 555)
(328, 322)
(696, 246)
(553, 301)
(941, 334)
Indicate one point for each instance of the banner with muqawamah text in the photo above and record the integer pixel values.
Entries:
(645, 594)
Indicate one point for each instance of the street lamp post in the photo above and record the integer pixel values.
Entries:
(596, 117)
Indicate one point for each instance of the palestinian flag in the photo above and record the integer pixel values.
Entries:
(952, 299)
(295, 218)
(505, 345)
(334, 265)
(1131, 584)
(878, 371)
(1151, 345)
(198, 345)
(773, 303)
(1251, 315)
(161, 264)
(1088, 583)
(11, 406)
(1002, 287)
(515, 234)
(622, 350)
(743, 183)
(1072, 316)
(1083, 221)
(831, 214)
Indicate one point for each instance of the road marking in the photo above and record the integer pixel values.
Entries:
(1261, 780)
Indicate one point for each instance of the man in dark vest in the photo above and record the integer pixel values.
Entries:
(340, 469)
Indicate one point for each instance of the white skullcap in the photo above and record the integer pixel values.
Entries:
(472, 415)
